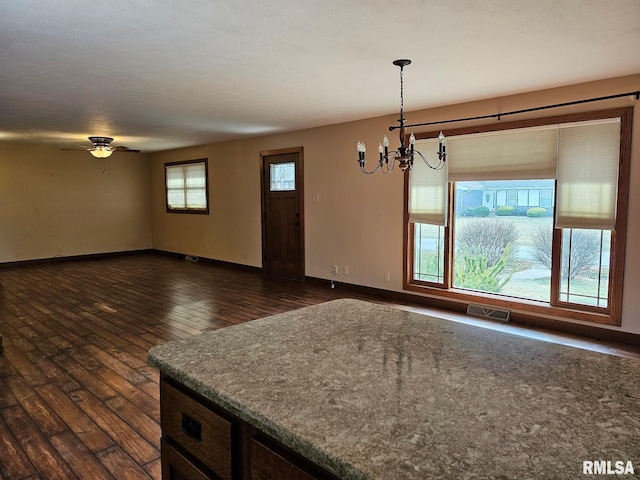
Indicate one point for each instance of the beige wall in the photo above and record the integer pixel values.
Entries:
(55, 203)
(358, 221)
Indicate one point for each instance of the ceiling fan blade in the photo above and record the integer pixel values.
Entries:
(103, 143)
(125, 149)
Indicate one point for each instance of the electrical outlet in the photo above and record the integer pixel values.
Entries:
(345, 270)
(334, 269)
(387, 276)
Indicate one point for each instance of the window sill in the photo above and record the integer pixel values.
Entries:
(519, 307)
(188, 210)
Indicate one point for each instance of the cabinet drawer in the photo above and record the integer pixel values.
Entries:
(196, 428)
(177, 467)
(267, 464)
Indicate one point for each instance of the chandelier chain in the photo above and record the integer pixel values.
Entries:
(401, 93)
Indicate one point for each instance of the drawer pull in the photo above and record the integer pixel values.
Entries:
(191, 427)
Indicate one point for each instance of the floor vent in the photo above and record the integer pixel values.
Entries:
(192, 258)
(488, 312)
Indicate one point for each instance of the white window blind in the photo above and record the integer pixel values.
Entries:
(196, 185)
(187, 186)
(428, 188)
(175, 187)
(526, 153)
(587, 180)
(582, 156)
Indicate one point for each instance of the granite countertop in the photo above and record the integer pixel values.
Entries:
(372, 392)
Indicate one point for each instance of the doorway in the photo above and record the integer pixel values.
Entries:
(283, 213)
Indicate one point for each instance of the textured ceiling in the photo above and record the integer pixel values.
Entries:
(159, 74)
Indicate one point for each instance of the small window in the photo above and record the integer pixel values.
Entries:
(429, 254)
(186, 185)
(282, 177)
(523, 198)
(585, 265)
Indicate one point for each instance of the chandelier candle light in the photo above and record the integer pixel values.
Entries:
(404, 155)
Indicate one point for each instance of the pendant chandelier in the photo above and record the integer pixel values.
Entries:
(404, 155)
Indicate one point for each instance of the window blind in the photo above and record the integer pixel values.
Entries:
(186, 186)
(196, 193)
(195, 174)
(587, 179)
(527, 153)
(428, 188)
(176, 187)
(582, 156)
(175, 177)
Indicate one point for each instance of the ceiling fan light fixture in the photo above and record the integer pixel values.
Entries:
(101, 148)
(101, 151)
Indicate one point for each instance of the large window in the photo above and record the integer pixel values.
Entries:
(503, 250)
(187, 186)
(533, 217)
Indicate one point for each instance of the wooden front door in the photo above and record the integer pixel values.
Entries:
(282, 213)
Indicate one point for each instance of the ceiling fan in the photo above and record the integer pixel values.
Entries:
(102, 147)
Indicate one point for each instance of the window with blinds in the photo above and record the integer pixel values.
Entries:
(582, 156)
(534, 211)
(186, 186)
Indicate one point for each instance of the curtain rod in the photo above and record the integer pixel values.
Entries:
(526, 110)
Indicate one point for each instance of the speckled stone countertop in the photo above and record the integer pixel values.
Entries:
(373, 392)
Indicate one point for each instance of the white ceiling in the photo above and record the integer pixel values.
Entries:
(159, 74)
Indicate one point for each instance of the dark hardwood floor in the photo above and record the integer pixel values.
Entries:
(77, 398)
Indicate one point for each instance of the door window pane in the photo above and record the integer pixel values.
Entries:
(282, 177)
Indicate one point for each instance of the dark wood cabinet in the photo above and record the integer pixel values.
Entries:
(196, 428)
(266, 464)
(200, 441)
(176, 466)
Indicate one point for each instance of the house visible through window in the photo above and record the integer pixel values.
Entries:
(533, 215)
(500, 248)
(187, 186)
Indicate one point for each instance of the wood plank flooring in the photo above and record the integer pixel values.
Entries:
(77, 398)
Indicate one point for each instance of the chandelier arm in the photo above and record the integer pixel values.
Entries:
(428, 164)
(363, 170)
(393, 155)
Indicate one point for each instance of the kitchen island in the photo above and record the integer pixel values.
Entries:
(354, 390)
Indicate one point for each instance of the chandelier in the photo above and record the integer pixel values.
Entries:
(404, 155)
